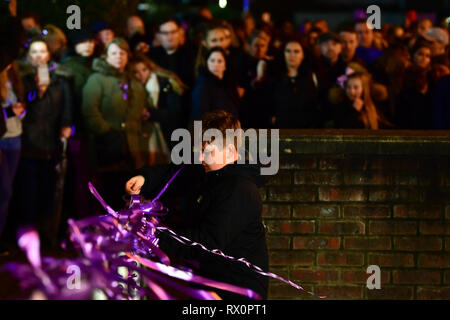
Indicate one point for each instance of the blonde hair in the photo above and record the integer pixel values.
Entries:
(121, 43)
(369, 114)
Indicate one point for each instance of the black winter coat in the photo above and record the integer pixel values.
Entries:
(211, 93)
(295, 101)
(345, 116)
(222, 210)
(181, 62)
(45, 116)
(170, 110)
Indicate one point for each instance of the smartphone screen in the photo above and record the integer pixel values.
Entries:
(43, 75)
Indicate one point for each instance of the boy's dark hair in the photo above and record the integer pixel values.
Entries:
(222, 120)
(164, 21)
(215, 49)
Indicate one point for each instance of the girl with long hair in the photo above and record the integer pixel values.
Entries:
(358, 110)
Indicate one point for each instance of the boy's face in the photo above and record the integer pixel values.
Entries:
(214, 157)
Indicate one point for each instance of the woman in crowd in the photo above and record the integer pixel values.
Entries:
(164, 113)
(357, 111)
(421, 55)
(294, 92)
(112, 107)
(212, 91)
(12, 106)
(48, 120)
(213, 35)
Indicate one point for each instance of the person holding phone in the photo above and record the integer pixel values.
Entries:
(49, 118)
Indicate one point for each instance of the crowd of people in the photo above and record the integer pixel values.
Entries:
(115, 96)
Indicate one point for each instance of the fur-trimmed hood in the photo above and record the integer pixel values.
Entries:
(26, 69)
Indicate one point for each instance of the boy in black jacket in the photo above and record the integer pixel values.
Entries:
(221, 209)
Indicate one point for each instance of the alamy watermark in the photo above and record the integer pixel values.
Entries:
(374, 281)
(374, 20)
(74, 280)
(257, 152)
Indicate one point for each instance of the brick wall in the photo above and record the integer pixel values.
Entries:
(330, 215)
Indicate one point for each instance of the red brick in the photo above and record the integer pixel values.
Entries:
(447, 277)
(280, 271)
(292, 194)
(417, 212)
(286, 291)
(291, 258)
(324, 211)
(361, 276)
(283, 177)
(378, 163)
(304, 275)
(366, 178)
(434, 227)
(416, 277)
(297, 162)
(340, 292)
(355, 163)
(403, 164)
(391, 293)
(341, 227)
(330, 163)
(395, 194)
(391, 259)
(410, 179)
(314, 243)
(447, 244)
(367, 212)
(290, 227)
(341, 194)
(340, 259)
(433, 293)
(367, 243)
(318, 178)
(417, 243)
(276, 211)
(392, 227)
(274, 242)
(434, 260)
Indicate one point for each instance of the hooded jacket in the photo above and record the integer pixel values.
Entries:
(220, 209)
(112, 106)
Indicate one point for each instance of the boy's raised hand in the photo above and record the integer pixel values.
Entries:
(134, 185)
